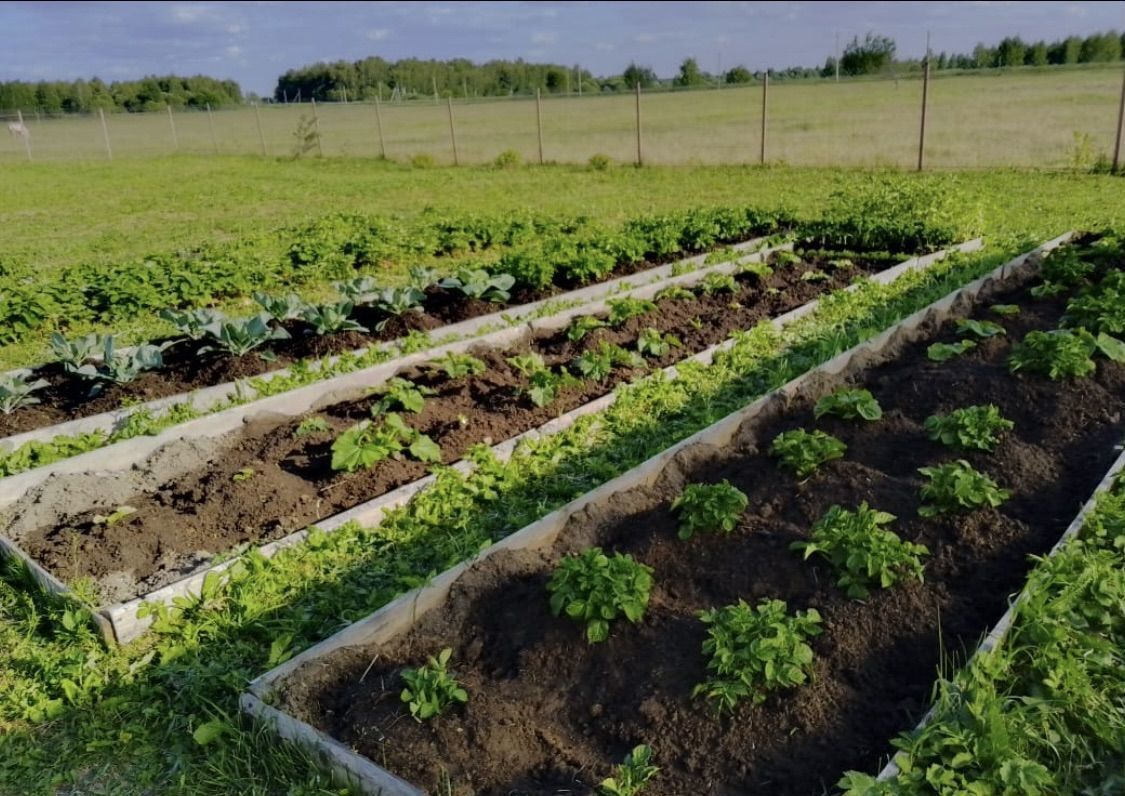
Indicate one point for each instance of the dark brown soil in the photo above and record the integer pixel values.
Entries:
(549, 714)
(67, 398)
(209, 511)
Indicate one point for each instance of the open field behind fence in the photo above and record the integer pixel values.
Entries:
(1028, 118)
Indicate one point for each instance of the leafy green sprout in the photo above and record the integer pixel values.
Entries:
(310, 426)
(651, 343)
(943, 352)
(621, 310)
(711, 508)
(114, 517)
(1058, 354)
(631, 775)
(957, 486)
(245, 474)
(16, 391)
(331, 318)
(849, 404)
(718, 283)
(366, 444)
(804, 451)
(238, 337)
(970, 428)
(281, 308)
(403, 395)
(815, 276)
(456, 366)
(757, 269)
(595, 589)
(982, 329)
(1005, 310)
(582, 326)
(753, 651)
(431, 690)
(864, 554)
(675, 293)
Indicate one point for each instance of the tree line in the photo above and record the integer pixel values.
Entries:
(148, 94)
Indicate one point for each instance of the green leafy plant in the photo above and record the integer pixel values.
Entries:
(245, 474)
(598, 162)
(1006, 310)
(191, 323)
(651, 343)
(943, 352)
(971, 428)
(1057, 354)
(240, 337)
(632, 775)
(1100, 308)
(598, 363)
(804, 451)
(398, 301)
(981, 329)
(121, 367)
(815, 276)
(281, 308)
(545, 386)
(850, 405)
(480, 284)
(864, 554)
(582, 326)
(16, 391)
(72, 353)
(331, 318)
(366, 444)
(456, 366)
(431, 690)
(527, 364)
(756, 269)
(675, 293)
(956, 486)
(310, 426)
(403, 395)
(622, 309)
(360, 290)
(752, 651)
(1048, 290)
(114, 517)
(595, 589)
(718, 283)
(710, 508)
(1066, 266)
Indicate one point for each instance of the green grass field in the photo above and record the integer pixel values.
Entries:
(1028, 117)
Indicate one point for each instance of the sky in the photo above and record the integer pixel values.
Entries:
(255, 42)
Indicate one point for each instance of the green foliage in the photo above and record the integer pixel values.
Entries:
(16, 391)
(981, 329)
(971, 428)
(943, 352)
(1057, 354)
(1006, 310)
(598, 162)
(508, 159)
(804, 451)
(431, 690)
(423, 161)
(120, 367)
(956, 486)
(1066, 266)
(479, 284)
(632, 775)
(366, 444)
(752, 651)
(581, 326)
(595, 589)
(191, 323)
(310, 426)
(73, 353)
(815, 276)
(718, 283)
(1100, 308)
(289, 307)
(675, 293)
(402, 395)
(240, 337)
(710, 508)
(331, 318)
(853, 404)
(456, 366)
(864, 554)
(651, 343)
(598, 363)
(622, 309)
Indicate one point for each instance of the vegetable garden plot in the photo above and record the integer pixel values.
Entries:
(114, 530)
(546, 711)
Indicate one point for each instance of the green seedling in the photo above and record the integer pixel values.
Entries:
(431, 690)
(595, 589)
(711, 508)
(849, 405)
(971, 428)
(943, 352)
(632, 775)
(116, 516)
(804, 451)
(956, 486)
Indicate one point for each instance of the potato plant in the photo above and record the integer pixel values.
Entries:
(753, 651)
(864, 554)
(632, 775)
(804, 451)
(956, 486)
(849, 404)
(971, 428)
(403, 395)
(1100, 308)
(711, 508)
(595, 589)
(582, 326)
(456, 366)
(431, 690)
(622, 309)
(366, 444)
(1058, 354)
(651, 343)
(943, 352)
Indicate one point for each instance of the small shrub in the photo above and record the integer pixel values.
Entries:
(753, 651)
(599, 162)
(864, 554)
(803, 451)
(423, 161)
(431, 690)
(508, 159)
(595, 589)
(971, 428)
(956, 486)
(850, 405)
(709, 507)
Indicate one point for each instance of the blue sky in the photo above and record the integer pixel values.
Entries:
(254, 42)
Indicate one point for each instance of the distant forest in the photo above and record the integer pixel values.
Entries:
(414, 78)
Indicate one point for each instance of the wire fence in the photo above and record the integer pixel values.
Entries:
(1036, 119)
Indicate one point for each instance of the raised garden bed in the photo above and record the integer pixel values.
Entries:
(286, 489)
(548, 712)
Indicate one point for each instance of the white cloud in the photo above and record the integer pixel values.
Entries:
(542, 37)
(644, 38)
(378, 34)
(234, 51)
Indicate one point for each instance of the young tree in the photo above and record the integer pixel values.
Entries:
(1036, 54)
(1010, 52)
(738, 74)
(690, 74)
(639, 75)
(871, 55)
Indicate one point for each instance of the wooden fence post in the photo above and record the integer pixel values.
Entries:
(539, 122)
(172, 124)
(379, 125)
(1120, 125)
(640, 152)
(261, 135)
(105, 134)
(765, 97)
(452, 131)
(925, 101)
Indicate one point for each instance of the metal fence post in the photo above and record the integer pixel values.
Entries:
(105, 134)
(452, 131)
(765, 97)
(640, 153)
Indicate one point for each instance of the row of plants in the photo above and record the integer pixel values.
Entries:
(204, 650)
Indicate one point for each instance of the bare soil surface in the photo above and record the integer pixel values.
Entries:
(550, 714)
